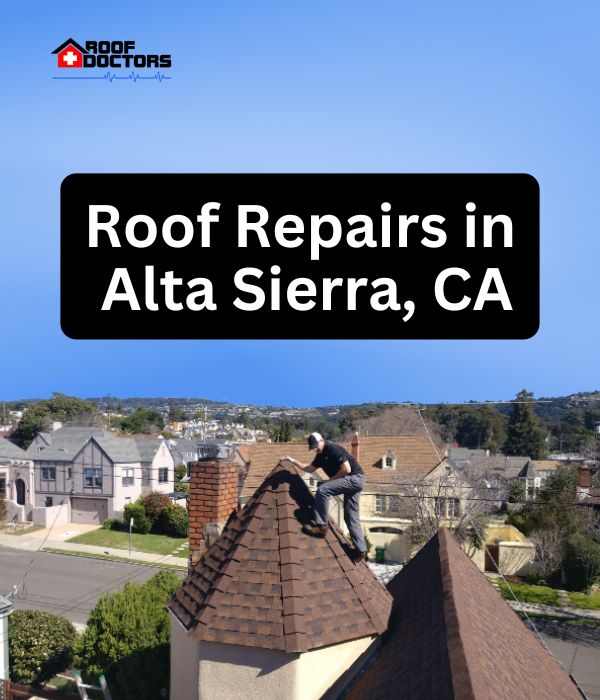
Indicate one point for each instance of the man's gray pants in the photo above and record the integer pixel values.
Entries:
(350, 487)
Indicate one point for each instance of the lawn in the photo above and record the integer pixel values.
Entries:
(155, 544)
(530, 594)
(590, 602)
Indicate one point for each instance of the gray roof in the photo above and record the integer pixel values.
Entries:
(183, 451)
(8, 450)
(119, 449)
(147, 447)
(528, 471)
(476, 466)
(64, 443)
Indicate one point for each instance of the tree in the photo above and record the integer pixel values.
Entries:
(523, 434)
(2, 509)
(155, 504)
(281, 432)
(144, 420)
(69, 410)
(127, 639)
(176, 414)
(40, 645)
(581, 562)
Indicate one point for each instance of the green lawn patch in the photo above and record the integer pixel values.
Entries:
(155, 544)
(110, 557)
(589, 602)
(529, 594)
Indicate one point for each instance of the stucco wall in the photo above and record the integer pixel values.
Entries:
(124, 494)
(52, 516)
(209, 671)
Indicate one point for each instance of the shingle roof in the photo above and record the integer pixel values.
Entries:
(64, 443)
(528, 472)
(266, 584)
(415, 457)
(147, 447)
(120, 450)
(452, 637)
(8, 450)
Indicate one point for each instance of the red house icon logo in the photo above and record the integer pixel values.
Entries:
(70, 54)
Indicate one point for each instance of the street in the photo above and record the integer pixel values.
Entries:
(64, 585)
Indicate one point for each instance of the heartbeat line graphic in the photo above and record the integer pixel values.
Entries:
(133, 76)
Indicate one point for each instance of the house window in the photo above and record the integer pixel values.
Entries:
(2, 485)
(163, 475)
(389, 461)
(453, 507)
(49, 473)
(69, 472)
(93, 478)
(48, 502)
(145, 476)
(387, 504)
(128, 477)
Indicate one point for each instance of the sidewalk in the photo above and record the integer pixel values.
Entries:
(55, 539)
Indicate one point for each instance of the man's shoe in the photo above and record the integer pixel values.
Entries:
(356, 555)
(314, 530)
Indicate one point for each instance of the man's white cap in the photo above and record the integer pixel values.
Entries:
(313, 440)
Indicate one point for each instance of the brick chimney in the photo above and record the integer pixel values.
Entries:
(355, 444)
(583, 481)
(213, 496)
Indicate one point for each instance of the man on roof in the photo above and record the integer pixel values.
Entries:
(346, 478)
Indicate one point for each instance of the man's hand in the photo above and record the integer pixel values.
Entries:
(344, 470)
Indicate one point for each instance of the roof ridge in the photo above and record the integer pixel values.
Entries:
(462, 682)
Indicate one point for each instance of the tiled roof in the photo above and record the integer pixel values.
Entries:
(8, 450)
(452, 637)
(266, 584)
(546, 465)
(415, 457)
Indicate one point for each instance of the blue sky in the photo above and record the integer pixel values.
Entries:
(306, 87)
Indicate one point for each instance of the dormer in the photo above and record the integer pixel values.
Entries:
(388, 461)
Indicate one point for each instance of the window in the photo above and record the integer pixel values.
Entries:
(69, 472)
(48, 502)
(389, 461)
(92, 478)
(128, 476)
(2, 485)
(163, 475)
(49, 473)
(453, 507)
(387, 504)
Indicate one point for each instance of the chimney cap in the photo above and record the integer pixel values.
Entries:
(213, 451)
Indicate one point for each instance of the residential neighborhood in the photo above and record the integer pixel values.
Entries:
(454, 533)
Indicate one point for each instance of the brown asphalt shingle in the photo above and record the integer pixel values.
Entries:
(266, 584)
(415, 457)
(452, 637)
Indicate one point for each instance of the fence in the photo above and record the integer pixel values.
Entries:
(9, 690)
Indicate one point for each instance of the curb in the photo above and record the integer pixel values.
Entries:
(109, 557)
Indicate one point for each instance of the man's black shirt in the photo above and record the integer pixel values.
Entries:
(332, 458)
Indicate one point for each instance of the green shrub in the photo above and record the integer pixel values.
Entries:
(127, 639)
(40, 645)
(180, 471)
(112, 524)
(141, 522)
(581, 562)
(155, 504)
(2, 509)
(174, 521)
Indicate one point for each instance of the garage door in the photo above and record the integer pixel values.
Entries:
(89, 511)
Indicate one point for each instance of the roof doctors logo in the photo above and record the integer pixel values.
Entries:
(110, 56)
